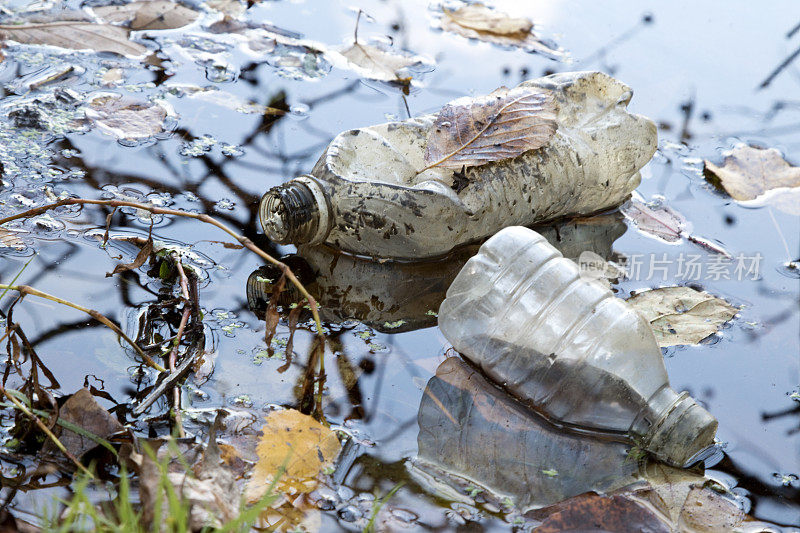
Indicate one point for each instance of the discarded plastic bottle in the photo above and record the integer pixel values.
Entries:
(565, 346)
(368, 196)
(392, 296)
(471, 429)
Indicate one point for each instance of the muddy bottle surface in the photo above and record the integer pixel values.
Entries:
(393, 296)
(567, 347)
(368, 194)
(471, 429)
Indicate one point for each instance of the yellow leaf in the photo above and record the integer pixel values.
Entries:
(749, 172)
(296, 442)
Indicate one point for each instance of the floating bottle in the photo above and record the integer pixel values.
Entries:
(471, 429)
(566, 347)
(393, 297)
(371, 194)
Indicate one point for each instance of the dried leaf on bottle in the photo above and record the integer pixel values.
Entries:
(750, 173)
(474, 131)
(75, 35)
(378, 64)
(478, 21)
(682, 315)
(124, 118)
(296, 445)
(148, 15)
(83, 411)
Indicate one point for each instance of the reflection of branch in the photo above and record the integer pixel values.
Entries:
(247, 243)
(24, 289)
(785, 63)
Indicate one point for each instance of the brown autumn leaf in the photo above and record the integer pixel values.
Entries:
(378, 64)
(82, 410)
(663, 222)
(141, 257)
(475, 131)
(124, 118)
(748, 172)
(10, 239)
(148, 15)
(75, 35)
(477, 21)
(296, 444)
(682, 315)
(758, 176)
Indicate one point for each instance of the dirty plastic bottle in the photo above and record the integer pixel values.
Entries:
(471, 429)
(393, 296)
(367, 196)
(565, 346)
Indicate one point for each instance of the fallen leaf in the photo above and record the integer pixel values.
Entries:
(10, 239)
(664, 223)
(83, 411)
(682, 315)
(477, 21)
(124, 118)
(148, 15)
(231, 8)
(141, 257)
(75, 35)
(233, 102)
(475, 131)
(298, 445)
(378, 64)
(667, 500)
(748, 172)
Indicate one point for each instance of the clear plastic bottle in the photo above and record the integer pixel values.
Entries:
(368, 196)
(471, 429)
(565, 346)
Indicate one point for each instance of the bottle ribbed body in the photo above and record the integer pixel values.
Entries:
(565, 345)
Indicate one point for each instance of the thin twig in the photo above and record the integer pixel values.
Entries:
(25, 289)
(173, 355)
(19, 405)
(247, 243)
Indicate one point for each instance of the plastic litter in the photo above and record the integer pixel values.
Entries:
(367, 195)
(565, 346)
(393, 297)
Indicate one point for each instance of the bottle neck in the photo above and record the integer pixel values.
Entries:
(674, 428)
(296, 212)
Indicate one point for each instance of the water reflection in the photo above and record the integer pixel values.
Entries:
(393, 297)
(470, 428)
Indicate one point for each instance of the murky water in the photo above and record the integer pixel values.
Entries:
(695, 69)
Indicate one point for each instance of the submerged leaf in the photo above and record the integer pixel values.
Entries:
(477, 21)
(10, 239)
(148, 15)
(376, 63)
(295, 447)
(75, 35)
(82, 411)
(475, 131)
(682, 315)
(124, 118)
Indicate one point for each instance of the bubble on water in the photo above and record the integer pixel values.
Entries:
(231, 150)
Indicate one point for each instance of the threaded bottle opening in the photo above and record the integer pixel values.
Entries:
(295, 213)
(683, 432)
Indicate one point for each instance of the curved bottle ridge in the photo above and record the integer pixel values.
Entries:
(373, 200)
(566, 346)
